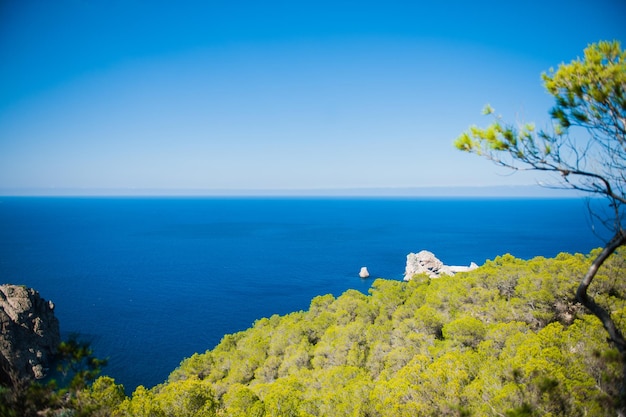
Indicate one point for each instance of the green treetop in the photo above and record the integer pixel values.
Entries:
(586, 147)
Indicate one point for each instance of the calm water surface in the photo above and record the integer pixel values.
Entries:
(152, 280)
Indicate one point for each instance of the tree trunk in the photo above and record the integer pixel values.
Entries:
(585, 299)
(615, 335)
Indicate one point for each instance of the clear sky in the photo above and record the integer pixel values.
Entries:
(252, 95)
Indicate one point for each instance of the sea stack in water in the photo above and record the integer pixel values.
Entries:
(426, 262)
(30, 333)
(363, 273)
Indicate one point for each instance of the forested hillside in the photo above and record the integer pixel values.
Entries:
(504, 340)
(507, 337)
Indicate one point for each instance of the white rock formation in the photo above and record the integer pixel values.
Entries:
(456, 269)
(426, 262)
(364, 273)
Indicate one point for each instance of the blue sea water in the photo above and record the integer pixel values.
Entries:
(150, 281)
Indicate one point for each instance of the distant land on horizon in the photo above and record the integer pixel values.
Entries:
(524, 191)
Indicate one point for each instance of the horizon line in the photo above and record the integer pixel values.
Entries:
(535, 190)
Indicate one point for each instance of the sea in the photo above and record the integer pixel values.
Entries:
(149, 281)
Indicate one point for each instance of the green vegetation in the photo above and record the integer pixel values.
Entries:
(507, 339)
(586, 149)
(78, 368)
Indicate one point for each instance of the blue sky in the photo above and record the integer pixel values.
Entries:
(128, 96)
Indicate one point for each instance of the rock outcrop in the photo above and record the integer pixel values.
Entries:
(456, 269)
(364, 273)
(30, 333)
(426, 262)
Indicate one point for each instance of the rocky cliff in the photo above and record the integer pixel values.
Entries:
(426, 262)
(30, 333)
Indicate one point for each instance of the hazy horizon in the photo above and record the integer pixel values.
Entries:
(505, 191)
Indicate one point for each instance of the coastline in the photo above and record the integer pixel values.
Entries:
(237, 259)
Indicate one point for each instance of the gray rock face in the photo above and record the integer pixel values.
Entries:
(30, 332)
(426, 262)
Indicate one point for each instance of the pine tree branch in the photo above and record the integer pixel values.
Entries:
(585, 299)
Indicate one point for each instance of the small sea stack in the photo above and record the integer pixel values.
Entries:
(363, 273)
